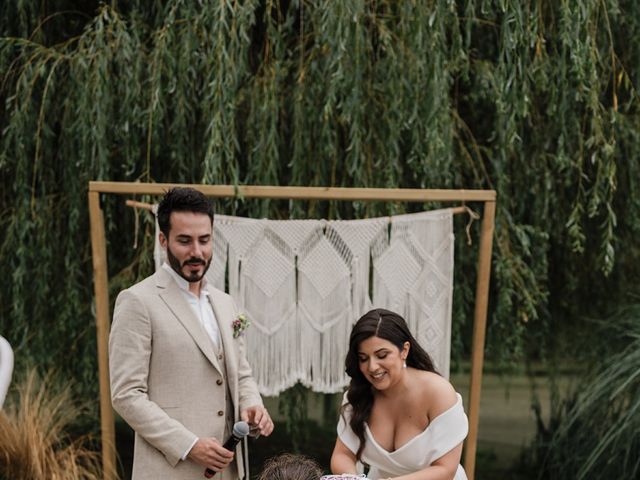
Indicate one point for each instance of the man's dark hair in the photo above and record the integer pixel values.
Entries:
(182, 199)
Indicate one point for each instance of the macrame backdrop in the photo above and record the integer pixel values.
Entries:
(304, 283)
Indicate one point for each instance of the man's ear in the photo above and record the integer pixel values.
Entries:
(163, 240)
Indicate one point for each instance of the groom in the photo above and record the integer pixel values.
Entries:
(179, 375)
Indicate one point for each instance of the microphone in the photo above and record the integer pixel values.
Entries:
(240, 430)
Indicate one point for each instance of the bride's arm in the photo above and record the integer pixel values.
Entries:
(343, 460)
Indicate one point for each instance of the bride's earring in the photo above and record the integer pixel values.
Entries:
(404, 363)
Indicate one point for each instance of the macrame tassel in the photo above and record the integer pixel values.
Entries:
(323, 351)
(324, 314)
(268, 292)
(413, 275)
(353, 240)
(240, 235)
(273, 339)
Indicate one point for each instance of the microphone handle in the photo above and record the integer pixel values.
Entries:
(230, 445)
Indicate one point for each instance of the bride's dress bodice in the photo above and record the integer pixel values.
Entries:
(443, 434)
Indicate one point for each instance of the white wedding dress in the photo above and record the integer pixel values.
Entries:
(444, 433)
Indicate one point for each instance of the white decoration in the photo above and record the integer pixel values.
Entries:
(304, 283)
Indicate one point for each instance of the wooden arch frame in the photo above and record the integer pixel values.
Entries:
(101, 280)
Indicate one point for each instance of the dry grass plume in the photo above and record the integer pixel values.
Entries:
(34, 444)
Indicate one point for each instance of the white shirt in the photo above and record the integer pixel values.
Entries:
(201, 306)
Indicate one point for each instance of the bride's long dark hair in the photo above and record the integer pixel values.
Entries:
(388, 326)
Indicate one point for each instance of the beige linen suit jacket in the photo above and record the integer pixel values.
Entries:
(166, 380)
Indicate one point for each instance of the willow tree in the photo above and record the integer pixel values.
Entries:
(536, 99)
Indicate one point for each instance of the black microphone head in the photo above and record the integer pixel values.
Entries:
(240, 429)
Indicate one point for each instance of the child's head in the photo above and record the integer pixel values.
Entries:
(290, 467)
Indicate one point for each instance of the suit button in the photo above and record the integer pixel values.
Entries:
(220, 413)
(219, 381)
(220, 357)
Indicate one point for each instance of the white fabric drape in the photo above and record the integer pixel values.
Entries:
(6, 368)
(303, 284)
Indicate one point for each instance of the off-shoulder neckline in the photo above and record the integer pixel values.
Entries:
(419, 435)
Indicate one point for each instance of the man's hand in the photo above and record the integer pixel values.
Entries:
(258, 419)
(209, 453)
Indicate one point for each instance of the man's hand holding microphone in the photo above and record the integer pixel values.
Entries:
(209, 452)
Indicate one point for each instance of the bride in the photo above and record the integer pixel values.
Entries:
(399, 416)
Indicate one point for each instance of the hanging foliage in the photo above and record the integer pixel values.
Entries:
(535, 99)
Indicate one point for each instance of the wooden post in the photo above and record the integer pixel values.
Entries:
(479, 331)
(101, 290)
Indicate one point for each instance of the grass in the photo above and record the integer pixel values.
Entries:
(33, 439)
(595, 433)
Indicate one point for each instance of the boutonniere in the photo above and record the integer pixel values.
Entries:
(240, 324)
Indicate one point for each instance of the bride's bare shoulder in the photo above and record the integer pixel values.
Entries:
(439, 394)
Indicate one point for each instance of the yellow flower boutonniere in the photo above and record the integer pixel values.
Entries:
(240, 324)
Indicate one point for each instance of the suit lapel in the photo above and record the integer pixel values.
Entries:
(172, 296)
(224, 317)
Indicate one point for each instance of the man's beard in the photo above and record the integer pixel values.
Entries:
(177, 267)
